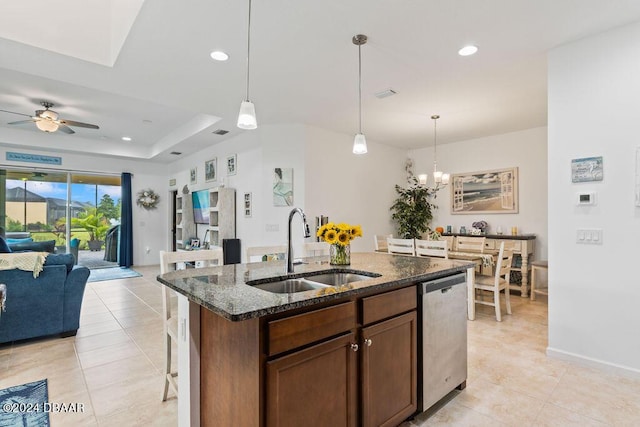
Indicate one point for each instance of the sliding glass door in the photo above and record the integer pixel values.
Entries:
(80, 211)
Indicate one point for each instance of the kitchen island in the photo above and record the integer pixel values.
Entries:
(252, 357)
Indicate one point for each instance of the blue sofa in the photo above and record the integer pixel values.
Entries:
(47, 305)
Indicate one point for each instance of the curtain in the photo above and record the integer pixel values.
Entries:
(125, 256)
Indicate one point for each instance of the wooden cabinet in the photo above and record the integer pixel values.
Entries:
(389, 371)
(350, 363)
(314, 387)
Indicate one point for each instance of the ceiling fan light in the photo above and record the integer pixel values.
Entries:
(247, 117)
(359, 144)
(47, 125)
(49, 115)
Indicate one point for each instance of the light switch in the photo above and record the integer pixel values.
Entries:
(589, 236)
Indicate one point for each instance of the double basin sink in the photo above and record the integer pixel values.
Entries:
(311, 281)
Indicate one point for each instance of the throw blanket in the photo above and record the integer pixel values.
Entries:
(27, 261)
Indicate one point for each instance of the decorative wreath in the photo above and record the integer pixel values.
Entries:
(147, 199)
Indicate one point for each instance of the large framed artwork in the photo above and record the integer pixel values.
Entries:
(211, 170)
(493, 191)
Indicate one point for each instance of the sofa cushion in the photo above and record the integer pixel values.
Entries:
(4, 248)
(60, 259)
(12, 241)
(44, 246)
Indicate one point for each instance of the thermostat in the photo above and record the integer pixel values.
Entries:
(586, 198)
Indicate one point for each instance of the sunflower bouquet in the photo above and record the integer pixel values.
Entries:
(339, 236)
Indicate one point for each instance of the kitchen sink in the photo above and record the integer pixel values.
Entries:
(290, 286)
(337, 279)
(311, 281)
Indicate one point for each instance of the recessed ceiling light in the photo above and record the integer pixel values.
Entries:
(468, 50)
(126, 138)
(218, 55)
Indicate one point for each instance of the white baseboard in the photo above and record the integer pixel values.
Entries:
(589, 362)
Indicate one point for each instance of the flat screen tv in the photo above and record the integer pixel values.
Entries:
(200, 206)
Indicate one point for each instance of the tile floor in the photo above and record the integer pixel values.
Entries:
(114, 367)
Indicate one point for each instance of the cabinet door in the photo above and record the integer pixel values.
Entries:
(389, 371)
(314, 387)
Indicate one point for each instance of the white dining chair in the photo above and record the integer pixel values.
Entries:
(432, 248)
(178, 261)
(380, 242)
(316, 249)
(497, 282)
(401, 246)
(470, 244)
(266, 253)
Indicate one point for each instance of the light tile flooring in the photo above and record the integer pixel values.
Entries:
(114, 367)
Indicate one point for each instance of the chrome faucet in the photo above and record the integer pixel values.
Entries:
(305, 230)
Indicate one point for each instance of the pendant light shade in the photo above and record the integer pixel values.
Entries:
(438, 176)
(247, 116)
(359, 142)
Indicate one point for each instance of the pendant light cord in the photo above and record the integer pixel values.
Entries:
(248, 48)
(435, 144)
(360, 88)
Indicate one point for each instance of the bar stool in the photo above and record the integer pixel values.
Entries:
(536, 267)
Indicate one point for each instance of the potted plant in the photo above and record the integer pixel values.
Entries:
(95, 224)
(412, 210)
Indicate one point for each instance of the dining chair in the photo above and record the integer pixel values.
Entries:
(470, 244)
(380, 242)
(401, 246)
(178, 261)
(266, 253)
(496, 283)
(316, 249)
(432, 248)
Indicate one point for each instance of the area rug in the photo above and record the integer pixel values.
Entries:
(25, 405)
(98, 275)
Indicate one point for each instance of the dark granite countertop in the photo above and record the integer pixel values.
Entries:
(224, 291)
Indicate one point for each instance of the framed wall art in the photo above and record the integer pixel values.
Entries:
(283, 187)
(247, 205)
(193, 175)
(211, 170)
(587, 169)
(232, 164)
(493, 191)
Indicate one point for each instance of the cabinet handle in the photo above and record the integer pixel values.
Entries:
(354, 347)
(368, 342)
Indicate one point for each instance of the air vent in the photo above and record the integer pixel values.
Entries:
(220, 132)
(385, 93)
(175, 153)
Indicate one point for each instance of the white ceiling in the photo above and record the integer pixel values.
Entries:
(168, 95)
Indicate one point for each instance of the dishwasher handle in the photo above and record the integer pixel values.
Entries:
(442, 283)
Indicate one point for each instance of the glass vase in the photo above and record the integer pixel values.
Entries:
(339, 254)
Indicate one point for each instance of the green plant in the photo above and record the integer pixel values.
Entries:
(412, 210)
(94, 222)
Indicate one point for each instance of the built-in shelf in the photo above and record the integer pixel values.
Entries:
(222, 215)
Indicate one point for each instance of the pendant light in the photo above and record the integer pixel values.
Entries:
(438, 176)
(247, 116)
(359, 142)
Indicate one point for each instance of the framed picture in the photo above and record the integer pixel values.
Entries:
(231, 164)
(211, 170)
(193, 175)
(586, 169)
(247, 205)
(283, 187)
(494, 191)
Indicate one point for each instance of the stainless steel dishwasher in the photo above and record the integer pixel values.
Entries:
(444, 337)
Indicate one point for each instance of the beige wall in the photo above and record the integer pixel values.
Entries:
(36, 211)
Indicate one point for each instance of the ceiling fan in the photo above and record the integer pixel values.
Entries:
(47, 120)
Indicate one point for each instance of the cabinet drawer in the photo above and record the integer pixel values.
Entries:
(386, 305)
(296, 331)
(512, 245)
(491, 244)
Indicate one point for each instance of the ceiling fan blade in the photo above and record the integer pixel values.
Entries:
(78, 124)
(19, 122)
(13, 112)
(65, 129)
